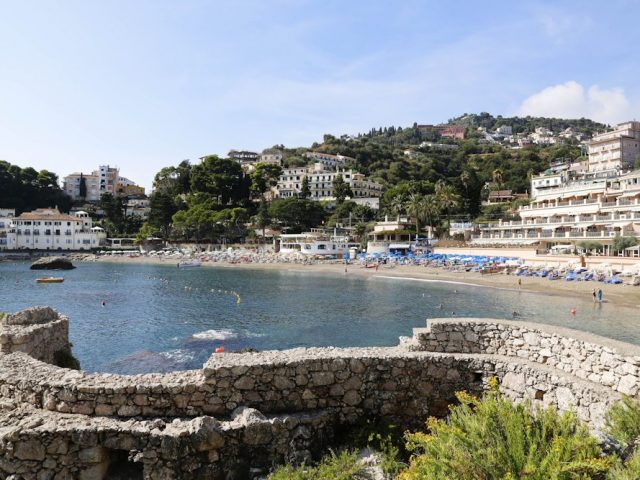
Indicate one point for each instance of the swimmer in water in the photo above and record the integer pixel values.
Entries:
(104, 304)
(515, 314)
(441, 306)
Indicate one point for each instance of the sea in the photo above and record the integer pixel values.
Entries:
(140, 318)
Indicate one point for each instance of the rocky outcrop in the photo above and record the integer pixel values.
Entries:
(279, 406)
(52, 263)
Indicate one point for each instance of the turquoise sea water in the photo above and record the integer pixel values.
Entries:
(161, 318)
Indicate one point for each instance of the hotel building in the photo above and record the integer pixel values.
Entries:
(321, 184)
(594, 206)
(48, 229)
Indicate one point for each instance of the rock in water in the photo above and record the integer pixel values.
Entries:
(52, 263)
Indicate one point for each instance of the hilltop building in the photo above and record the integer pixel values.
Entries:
(329, 161)
(48, 229)
(105, 179)
(248, 160)
(616, 150)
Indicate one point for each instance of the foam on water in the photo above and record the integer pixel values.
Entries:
(222, 334)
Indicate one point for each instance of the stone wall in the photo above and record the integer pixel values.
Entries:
(39, 332)
(41, 445)
(60, 421)
(600, 360)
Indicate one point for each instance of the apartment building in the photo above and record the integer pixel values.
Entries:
(321, 183)
(105, 179)
(48, 229)
(594, 206)
(71, 186)
(616, 150)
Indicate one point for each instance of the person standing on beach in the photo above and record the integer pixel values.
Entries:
(519, 283)
(594, 296)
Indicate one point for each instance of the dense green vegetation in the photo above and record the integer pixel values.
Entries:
(26, 189)
(492, 438)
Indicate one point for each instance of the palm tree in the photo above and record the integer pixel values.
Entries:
(431, 209)
(397, 204)
(415, 208)
(447, 198)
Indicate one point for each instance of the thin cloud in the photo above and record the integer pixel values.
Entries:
(572, 100)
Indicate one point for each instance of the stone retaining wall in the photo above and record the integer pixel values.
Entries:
(600, 360)
(39, 332)
(65, 422)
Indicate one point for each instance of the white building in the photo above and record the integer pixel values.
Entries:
(593, 206)
(48, 229)
(615, 150)
(394, 237)
(6, 217)
(321, 183)
(328, 161)
(504, 130)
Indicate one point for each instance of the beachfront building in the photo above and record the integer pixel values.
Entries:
(105, 179)
(48, 229)
(318, 242)
(616, 150)
(6, 217)
(395, 237)
(321, 184)
(572, 208)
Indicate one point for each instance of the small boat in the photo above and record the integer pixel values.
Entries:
(50, 280)
(191, 264)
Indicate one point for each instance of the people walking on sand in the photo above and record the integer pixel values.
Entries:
(595, 296)
(599, 295)
(519, 283)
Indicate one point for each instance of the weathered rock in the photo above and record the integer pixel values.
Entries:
(52, 263)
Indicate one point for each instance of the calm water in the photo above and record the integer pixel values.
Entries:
(161, 318)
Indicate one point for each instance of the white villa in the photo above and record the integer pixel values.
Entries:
(317, 242)
(48, 229)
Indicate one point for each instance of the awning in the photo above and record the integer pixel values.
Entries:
(398, 246)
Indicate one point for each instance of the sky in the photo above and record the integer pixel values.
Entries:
(144, 84)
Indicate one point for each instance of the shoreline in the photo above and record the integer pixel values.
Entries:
(614, 295)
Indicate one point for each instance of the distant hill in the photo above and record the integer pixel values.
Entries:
(529, 124)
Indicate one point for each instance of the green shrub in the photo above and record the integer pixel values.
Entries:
(623, 421)
(385, 438)
(341, 466)
(493, 438)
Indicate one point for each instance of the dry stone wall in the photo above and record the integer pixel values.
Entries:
(39, 332)
(597, 359)
(279, 405)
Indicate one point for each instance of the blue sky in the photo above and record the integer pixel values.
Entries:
(145, 84)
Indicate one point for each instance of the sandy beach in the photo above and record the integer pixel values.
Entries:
(623, 295)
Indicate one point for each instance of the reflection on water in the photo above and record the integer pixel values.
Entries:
(160, 318)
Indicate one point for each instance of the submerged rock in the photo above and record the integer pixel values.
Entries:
(52, 263)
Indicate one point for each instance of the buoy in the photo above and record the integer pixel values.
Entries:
(220, 349)
(573, 311)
